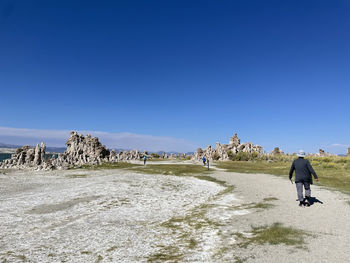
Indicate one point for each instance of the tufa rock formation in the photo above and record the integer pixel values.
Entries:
(223, 151)
(235, 141)
(276, 151)
(88, 150)
(348, 153)
(80, 150)
(27, 157)
(321, 152)
(129, 155)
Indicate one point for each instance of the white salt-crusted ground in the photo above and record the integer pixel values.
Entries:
(84, 216)
(122, 216)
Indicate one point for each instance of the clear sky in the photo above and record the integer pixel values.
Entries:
(275, 72)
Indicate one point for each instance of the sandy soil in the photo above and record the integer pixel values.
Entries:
(121, 216)
(327, 222)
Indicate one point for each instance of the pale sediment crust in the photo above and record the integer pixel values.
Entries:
(84, 216)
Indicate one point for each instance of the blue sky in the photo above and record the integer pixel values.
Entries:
(275, 72)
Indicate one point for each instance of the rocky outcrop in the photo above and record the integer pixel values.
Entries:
(224, 152)
(276, 151)
(82, 150)
(348, 153)
(129, 155)
(113, 156)
(321, 152)
(27, 157)
(235, 141)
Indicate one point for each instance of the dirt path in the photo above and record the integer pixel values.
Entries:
(328, 222)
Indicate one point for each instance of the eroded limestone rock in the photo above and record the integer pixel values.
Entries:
(234, 140)
(276, 151)
(223, 152)
(27, 157)
(82, 150)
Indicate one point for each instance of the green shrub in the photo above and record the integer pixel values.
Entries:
(154, 155)
(216, 156)
(254, 155)
(342, 160)
(326, 159)
(315, 163)
(329, 165)
(231, 155)
(264, 157)
(242, 156)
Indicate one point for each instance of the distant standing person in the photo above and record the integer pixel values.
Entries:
(303, 178)
(204, 160)
(144, 160)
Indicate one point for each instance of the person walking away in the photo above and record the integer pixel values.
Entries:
(303, 179)
(144, 160)
(204, 160)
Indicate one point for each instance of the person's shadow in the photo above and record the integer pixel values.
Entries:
(313, 200)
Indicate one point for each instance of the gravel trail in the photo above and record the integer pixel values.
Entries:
(327, 222)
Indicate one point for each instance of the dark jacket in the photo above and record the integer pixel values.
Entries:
(303, 171)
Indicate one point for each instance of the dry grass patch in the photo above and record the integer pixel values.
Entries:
(157, 160)
(268, 199)
(255, 167)
(264, 204)
(103, 166)
(274, 235)
(261, 205)
(211, 179)
(171, 169)
(167, 254)
(76, 175)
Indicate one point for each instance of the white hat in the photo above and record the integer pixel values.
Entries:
(301, 153)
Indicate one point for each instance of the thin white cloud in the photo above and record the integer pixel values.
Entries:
(340, 145)
(57, 138)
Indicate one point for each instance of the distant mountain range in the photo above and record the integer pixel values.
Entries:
(4, 145)
(149, 152)
(11, 148)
